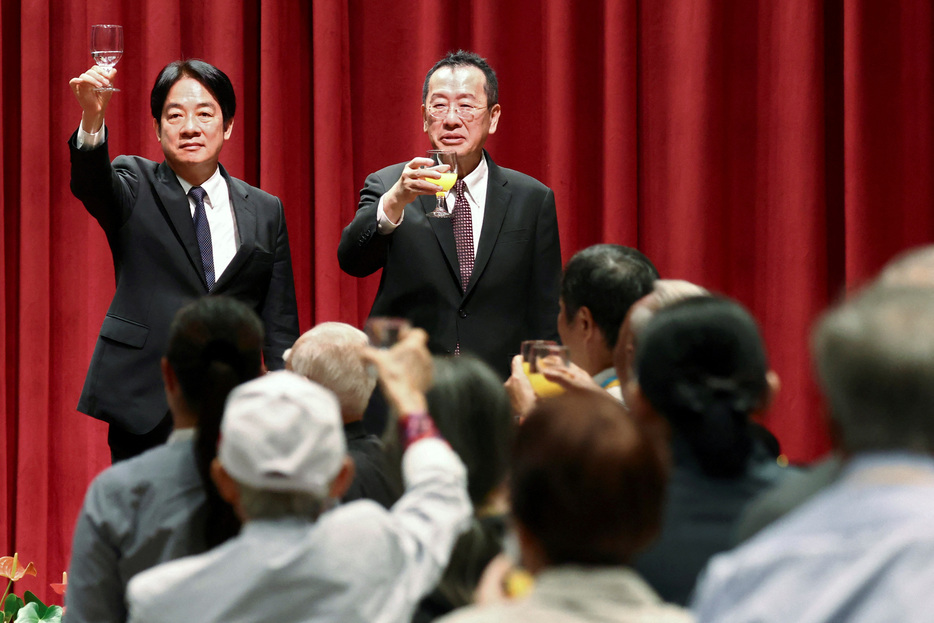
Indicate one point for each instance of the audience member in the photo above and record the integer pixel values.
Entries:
(331, 354)
(861, 549)
(281, 459)
(701, 366)
(470, 406)
(598, 286)
(913, 268)
(587, 489)
(158, 506)
(664, 292)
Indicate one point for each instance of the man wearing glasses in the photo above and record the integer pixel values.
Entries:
(485, 279)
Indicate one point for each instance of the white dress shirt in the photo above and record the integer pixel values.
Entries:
(217, 206)
(357, 563)
(476, 182)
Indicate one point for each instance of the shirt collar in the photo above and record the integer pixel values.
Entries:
(182, 434)
(211, 185)
(476, 180)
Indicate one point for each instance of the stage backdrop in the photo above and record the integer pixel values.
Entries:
(777, 152)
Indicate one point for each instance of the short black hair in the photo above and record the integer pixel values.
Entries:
(212, 78)
(606, 279)
(215, 344)
(463, 58)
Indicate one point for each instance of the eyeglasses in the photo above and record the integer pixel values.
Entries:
(465, 112)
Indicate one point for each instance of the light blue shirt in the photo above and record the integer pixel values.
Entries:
(860, 551)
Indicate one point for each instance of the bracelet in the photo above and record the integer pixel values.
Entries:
(416, 426)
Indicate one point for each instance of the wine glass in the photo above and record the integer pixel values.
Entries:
(442, 158)
(106, 47)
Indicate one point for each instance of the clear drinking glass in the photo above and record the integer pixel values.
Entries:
(106, 47)
(384, 331)
(442, 159)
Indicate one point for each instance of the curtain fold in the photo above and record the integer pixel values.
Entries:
(776, 152)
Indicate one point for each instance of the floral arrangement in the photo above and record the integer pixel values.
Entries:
(30, 608)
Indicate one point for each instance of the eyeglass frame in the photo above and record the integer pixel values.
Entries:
(439, 115)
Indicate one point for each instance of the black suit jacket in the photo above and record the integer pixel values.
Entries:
(157, 265)
(513, 290)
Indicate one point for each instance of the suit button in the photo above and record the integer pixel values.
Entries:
(461, 313)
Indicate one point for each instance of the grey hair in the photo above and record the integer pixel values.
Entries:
(265, 504)
(664, 293)
(330, 355)
(875, 361)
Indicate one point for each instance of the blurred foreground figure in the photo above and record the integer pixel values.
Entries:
(587, 487)
(162, 505)
(861, 550)
(701, 368)
(281, 462)
(331, 354)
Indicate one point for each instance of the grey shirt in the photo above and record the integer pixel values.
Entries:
(136, 514)
(356, 563)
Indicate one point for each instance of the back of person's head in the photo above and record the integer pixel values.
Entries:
(330, 354)
(874, 356)
(701, 364)
(665, 292)
(587, 481)
(215, 343)
(210, 77)
(471, 409)
(282, 442)
(606, 279)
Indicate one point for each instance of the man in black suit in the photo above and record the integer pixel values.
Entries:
(225, 237)
(485, 279)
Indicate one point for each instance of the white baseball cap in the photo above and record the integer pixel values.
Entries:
(282, 432)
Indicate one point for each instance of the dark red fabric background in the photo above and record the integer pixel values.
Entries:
(778, 152)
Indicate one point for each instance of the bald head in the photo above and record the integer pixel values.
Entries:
(665, 292)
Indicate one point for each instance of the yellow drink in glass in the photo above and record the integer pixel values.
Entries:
(542, 387)
(446, 182)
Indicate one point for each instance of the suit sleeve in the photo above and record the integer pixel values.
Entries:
(280, 312)
(362, 250)
(544, 287)
(108, 192)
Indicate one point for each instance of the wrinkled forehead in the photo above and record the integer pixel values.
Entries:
(458, 82)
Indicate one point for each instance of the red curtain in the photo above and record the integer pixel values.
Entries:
(777, 152)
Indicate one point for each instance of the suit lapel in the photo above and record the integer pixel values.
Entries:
(245, 217)
(443, 230)
(177, 210)
(497, 202)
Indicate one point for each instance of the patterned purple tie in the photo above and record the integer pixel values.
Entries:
(463, 232)
(203, 231)
(463, 239)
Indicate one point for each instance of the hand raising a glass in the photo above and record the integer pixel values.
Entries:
(445, 163)
(94, 88)
(107, 48)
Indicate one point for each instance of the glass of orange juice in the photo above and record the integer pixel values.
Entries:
(537, 355)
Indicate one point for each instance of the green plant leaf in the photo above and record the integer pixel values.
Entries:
(27, 614)
(11, 607)
(53, 614)
(30, 614)
(30, 598)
